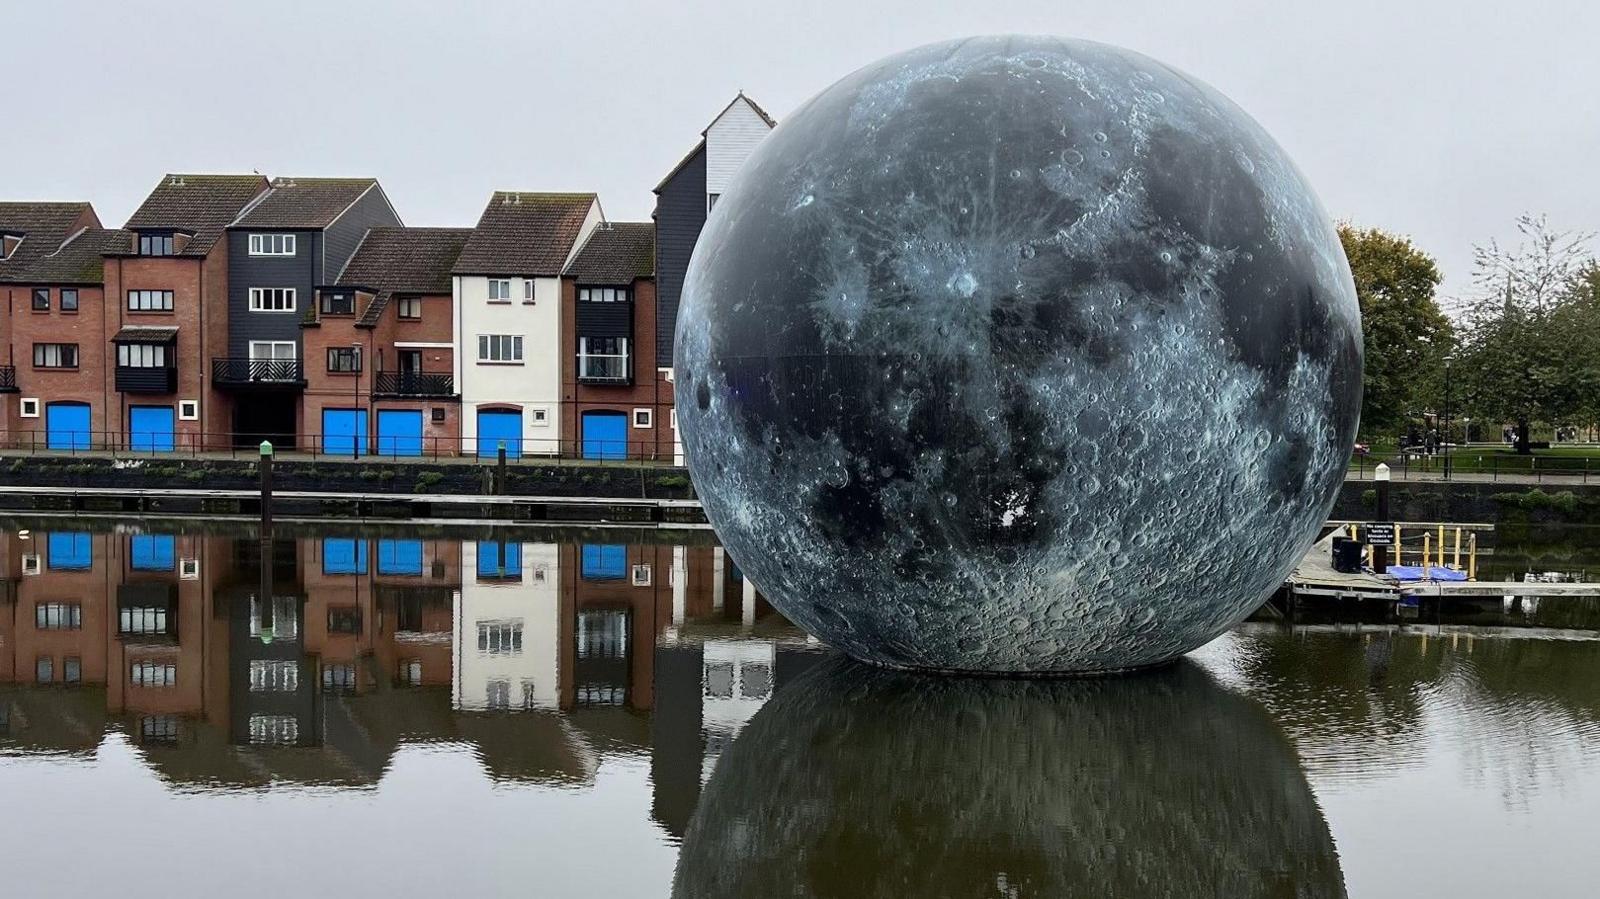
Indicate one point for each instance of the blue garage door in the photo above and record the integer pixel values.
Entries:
(66, 425)
(604, 561)
(150, 429)
(341, 429)
(498, 559)
(400, 557)
(341, 555)
(399, 432)
(493, 427)
(70, 551)
(605, 435)
(152, 552)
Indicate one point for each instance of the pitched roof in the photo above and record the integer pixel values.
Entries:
(616, 253)
(146, 334)
(701, 144)
(304, 202)
(525, 234)
(81, 260)
(43, 226)
(403, 260)
(203, 205)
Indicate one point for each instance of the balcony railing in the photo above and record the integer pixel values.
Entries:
(8, 379)
(238, 372)
(413, 383)
(146, 380)
(606, 369)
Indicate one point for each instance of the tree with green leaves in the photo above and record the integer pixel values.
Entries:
(1526, 353)
(1405, 332)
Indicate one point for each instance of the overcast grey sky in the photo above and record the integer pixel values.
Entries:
(1443, 120)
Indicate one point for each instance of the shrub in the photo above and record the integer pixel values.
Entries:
(426, 481)
(678, 480)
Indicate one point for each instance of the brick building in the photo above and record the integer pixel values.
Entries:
(382, 340)
(166, 274)
(615, 401)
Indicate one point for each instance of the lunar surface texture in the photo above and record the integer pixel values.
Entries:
(1018, 354)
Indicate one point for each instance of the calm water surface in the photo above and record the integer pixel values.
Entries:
(604, 714)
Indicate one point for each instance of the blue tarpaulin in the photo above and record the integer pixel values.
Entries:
(1433, 572)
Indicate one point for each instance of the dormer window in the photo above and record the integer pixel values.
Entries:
(155, 243)
(339, 302)
(272, 244)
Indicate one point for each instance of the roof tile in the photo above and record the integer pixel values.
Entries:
(202, 204)
(616, 253)
(304, 202)
(44, 227)
(528, 234)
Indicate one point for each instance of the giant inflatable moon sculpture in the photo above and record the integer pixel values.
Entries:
(1018, 354)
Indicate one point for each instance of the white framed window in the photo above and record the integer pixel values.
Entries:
(672, 418)
(272, 244)
(503, 637)
(604, 358)
(280, 350)
(500, 348)
(274, 676)
(272, 299)
(149, 301)
(643, 418)
(602, 294)
(189, 569)
(30, 563)
(528, 294)
(274, 730)
(188, 410)
(641, 575)
(30, 407)
(499, 290)
(142, 355)
(539, 418)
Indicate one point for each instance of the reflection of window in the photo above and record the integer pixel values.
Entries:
(71, 670)
(500, 637)
(274, 730)
(69, 551)
(152, 552)
(604, 561)
(603, 634)
(497, 559)
(499, 694)
(344, 619)
(153, 674)
(339, 677)
(158, 729)
(530, 698)
(274, 676)
(411, 672)
(141, 620)
(44, 670)
(58, 616)
(277, 619)
(755, 680)
(719, 680)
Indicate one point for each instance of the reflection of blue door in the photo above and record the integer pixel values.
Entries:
(344, 556)
(499, 560)
(399, 432)
(151, 552)
(604, 561)
(150, 429)
(605, 435)
(66, 426)
(399, 556)
(341, 429)
(494, 427)
(70, 552)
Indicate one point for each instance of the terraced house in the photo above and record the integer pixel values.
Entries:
(297, 235)
(380, 348)
(616, 405)
(52, 312)
(166, 278)
(508, 287)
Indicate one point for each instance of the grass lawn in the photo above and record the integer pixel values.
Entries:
(1489, 457)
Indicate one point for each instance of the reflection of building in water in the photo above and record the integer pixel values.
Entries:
(507, 624)
(544, 656)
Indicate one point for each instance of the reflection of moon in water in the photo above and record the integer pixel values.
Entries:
(856, 782)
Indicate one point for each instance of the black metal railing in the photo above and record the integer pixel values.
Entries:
(131, 379)
(8, 378)
(270, 372)
(413, 383)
